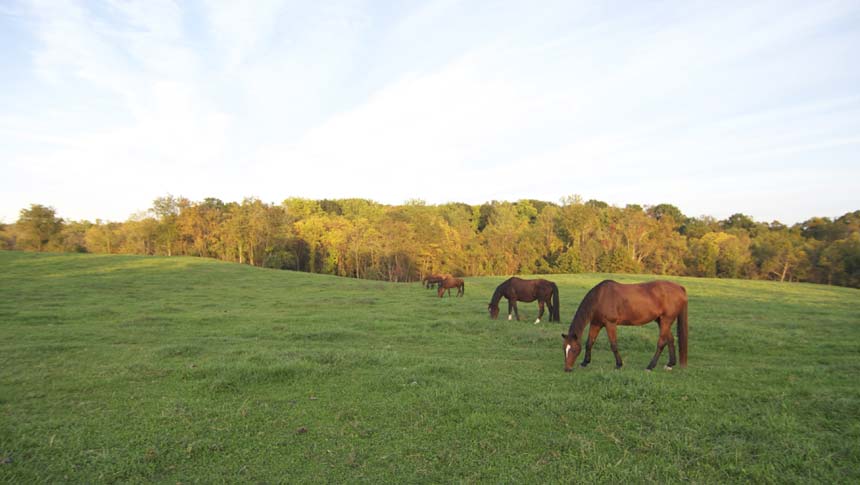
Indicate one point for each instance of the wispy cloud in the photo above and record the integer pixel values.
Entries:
(676, 102)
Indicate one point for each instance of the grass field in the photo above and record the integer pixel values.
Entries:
(141, 369)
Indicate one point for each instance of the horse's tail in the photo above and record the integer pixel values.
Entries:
(683, 331)
(555, 317)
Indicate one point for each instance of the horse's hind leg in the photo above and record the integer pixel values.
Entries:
(612, 333)
(671, 344)
(665, 338)
(593, 331)
(540, 311)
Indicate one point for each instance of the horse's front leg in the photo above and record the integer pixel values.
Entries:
(516, 310)
(612, 333)
(593, 331)
(510, 310)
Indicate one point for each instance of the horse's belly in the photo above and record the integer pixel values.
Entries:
(635, 318)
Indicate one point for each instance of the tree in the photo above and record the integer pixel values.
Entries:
(580, 228)
(200, 225)
(841, 261)
(364, 239)
(696, 227)
(719, 254)
(299, 208)
(597, 204)
(664, 211)
(502, 237)
(73, 236)
(739, 221)
(7, 237)
(667, 256)
(39, 225)
(139, 235)
(779, 254)
(311, 230)
(103, 237)
(167, 209)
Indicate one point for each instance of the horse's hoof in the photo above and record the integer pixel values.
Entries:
(537, 321)
(568, 370)
(667, 368)
(647, 369)
(583, 365)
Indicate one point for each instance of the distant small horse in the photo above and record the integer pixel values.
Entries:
(434, 279)
(610, 304)
(517, 289)
(451, 282)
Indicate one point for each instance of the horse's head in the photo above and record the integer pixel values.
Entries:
(571, 348)
(494, 311)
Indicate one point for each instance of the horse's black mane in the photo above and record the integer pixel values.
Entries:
(497, 295)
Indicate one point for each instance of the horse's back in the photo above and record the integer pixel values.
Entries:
(672, 295)
(640, 302)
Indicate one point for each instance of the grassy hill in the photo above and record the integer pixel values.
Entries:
(141, 369)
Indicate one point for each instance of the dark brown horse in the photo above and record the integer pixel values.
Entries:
(610, 304)
(451, 282)
(434, 279)
(517, 289)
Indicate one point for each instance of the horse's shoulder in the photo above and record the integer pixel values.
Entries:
(607, 285)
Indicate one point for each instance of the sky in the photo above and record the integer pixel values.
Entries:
(717, 107)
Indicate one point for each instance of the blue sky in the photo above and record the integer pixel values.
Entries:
(716, 107)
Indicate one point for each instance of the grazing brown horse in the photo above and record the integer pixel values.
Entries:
(517, 289)
(434, 279)
(610, 304)
(451, 282)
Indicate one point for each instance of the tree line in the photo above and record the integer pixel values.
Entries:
(363, 239)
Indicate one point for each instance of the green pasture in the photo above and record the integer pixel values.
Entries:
(144, 369)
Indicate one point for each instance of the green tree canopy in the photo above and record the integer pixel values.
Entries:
(39, 225)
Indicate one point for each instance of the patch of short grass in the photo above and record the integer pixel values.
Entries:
(137, 369)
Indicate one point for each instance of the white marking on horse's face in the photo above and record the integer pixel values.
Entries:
(510, 317)
(567, 350)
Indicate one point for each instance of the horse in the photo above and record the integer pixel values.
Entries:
(517, 289)
(451, 282)
(610, 304)
(434, 279)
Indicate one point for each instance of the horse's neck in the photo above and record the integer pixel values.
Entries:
(497, 295)
(581, 318)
